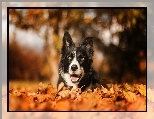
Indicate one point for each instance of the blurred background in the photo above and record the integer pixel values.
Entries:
(120, 42)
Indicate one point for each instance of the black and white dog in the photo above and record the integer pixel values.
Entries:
(76, 64)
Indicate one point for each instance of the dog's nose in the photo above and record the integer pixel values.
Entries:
(74, 67)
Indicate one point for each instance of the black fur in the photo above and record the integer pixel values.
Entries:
(83, 54)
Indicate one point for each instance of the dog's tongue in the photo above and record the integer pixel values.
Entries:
(74, 77)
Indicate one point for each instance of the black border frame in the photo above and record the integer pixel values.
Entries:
(65, 8)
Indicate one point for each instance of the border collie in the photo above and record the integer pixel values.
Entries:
(76, 64)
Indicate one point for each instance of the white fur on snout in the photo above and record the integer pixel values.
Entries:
(79, 70)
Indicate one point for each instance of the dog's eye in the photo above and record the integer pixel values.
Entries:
(69, 58)
(82, 58)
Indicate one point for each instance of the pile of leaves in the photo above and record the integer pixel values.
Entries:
(115, 97)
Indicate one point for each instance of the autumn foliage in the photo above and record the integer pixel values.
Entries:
(46, 98)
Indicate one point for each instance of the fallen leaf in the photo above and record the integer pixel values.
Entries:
(129, 96)
(60, 86)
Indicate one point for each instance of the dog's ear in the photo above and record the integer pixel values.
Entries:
(88, 45)
(67, 42)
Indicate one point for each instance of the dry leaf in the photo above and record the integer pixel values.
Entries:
(60, 86)
(50, 89)
(127, 87)
(142, 89)
(41, 88)
(104, 90)
(129, 96)
(64, 93)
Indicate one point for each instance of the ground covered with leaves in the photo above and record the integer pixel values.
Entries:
(115, 97)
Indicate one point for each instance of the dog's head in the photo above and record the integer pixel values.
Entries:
(75, 61)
